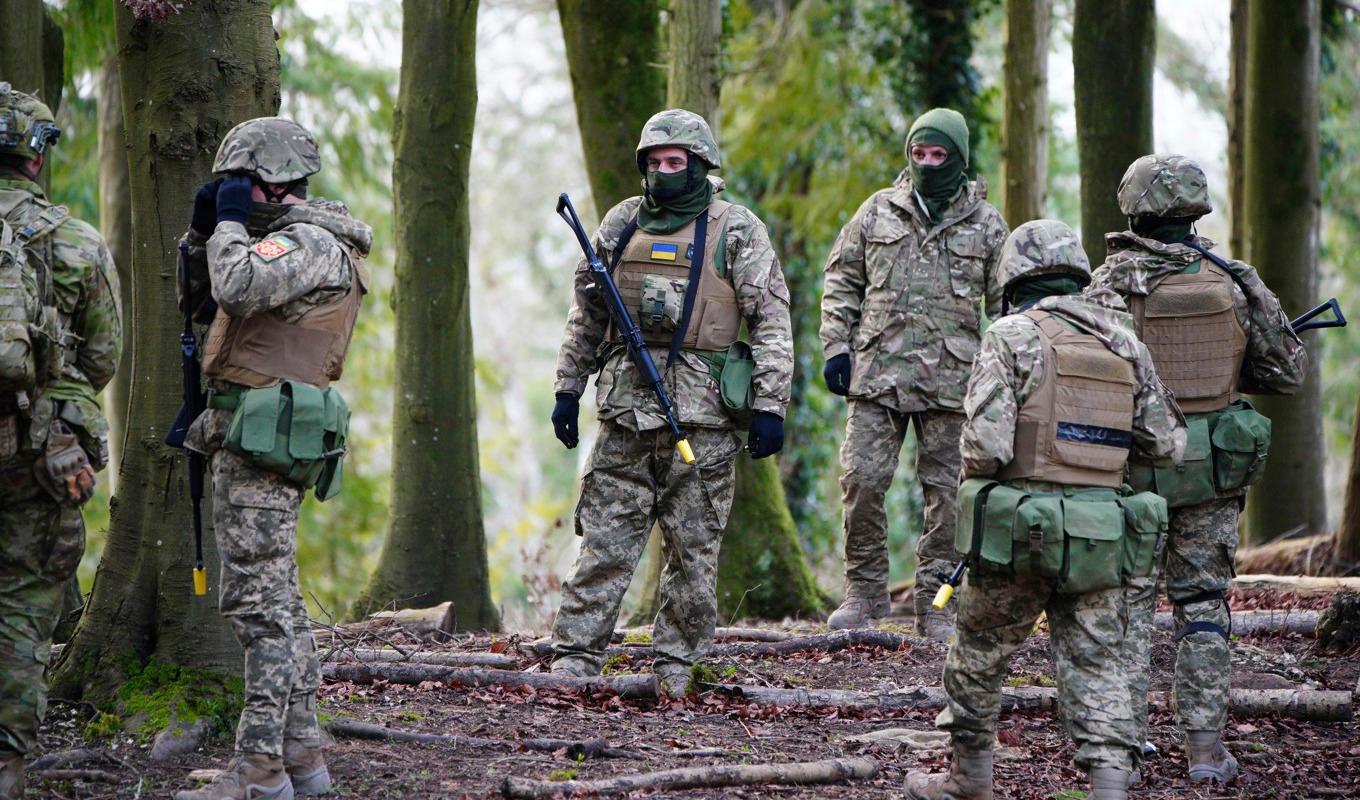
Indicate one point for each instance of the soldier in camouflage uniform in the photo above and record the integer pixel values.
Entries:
(52, 434)
(901, 314)
(1042, 270)
(287, 276)
(1242, 341)
(634, 477)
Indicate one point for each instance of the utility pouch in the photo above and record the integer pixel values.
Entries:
(1146, 519)
(986, 521)
(1095, 546)
(734, 380)
(661, 303)
(1192, 482)
(295, 430)
(1037, 540)
(1241, 442)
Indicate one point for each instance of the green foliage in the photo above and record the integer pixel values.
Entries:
(560, 775)
(638, 637)
(616, 664)
(702, 677)
(103, 726)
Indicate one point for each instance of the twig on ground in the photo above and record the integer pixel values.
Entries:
(574, 748)
(833, 770)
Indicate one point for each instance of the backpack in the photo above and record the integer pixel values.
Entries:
(30, 327)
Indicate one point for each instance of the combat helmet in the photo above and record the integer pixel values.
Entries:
(273, 149)
(1042, 247)
(27, 126)
(676, 127)
(1164, 186)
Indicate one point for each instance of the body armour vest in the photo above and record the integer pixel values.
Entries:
(261, 350)
(1077, 426)
(653, 276)
(1197, 343)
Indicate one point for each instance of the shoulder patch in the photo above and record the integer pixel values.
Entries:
(274, 247)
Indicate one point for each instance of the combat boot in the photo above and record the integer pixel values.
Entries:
(672, 680)
(306, 766)
(11, 776)
(572, 667)
(252, 776)
(938, 626)
(1109, 783)
(856, 612)
(1209, 760)
(969, 778)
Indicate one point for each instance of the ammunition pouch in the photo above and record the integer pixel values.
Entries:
(292, 429)
(1086, 539)
(732, 369)
(1225, 451)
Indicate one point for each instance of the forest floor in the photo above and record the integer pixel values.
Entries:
(1280, 758)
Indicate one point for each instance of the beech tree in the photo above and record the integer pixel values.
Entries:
(1024, 128)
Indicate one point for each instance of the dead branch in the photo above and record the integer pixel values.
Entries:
(832, 770)
(78, 757)
(1260, 623)
(631, 686)
(86, 775)
(573, 748)
(719, 634)
(1303, 704)
(1023, 698)
(1303, 585)
(440, 658)
(829, 642)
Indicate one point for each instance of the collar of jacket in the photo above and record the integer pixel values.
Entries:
(22, 185)
(332, 215)
(1102, 315)
(1128, 240)
(966, 202)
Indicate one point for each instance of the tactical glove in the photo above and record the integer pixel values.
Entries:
(766, 436)
(836, 373)
(564, 416)
(233, 199)
(63, 469)
(205, 208)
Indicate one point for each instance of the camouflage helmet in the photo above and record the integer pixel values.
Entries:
(27, 127)
(1042, 247)
(1164, 186)
(676, 127)
(273, 149)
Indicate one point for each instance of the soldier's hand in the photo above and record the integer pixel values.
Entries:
(836, 373)
(64, 469)
(564, 417)
(766, 436)
(233, 199)
(205, 208)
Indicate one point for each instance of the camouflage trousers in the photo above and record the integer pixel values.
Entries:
(40, 547)
(255, 516)
(1197, 564)
(632, 480)
(874, 435)
(996, 613)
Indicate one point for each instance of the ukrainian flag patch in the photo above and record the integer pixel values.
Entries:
(665, 252)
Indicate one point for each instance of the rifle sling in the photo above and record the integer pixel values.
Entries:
(696, 266)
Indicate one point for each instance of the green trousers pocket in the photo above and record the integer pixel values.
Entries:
(1095, 543)
(1241, 442)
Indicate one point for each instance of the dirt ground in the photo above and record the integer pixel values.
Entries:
(1280, 758)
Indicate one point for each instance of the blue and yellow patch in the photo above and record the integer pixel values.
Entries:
(665, 252)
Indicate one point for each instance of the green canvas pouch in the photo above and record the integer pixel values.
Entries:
(1095, 547)
(734, 380)
(1037, 537)
(1192, 482)
(256, 422)
(1241, 442)
(1146, 519)
(308, 423)
(998, 525)
(331, 479)
(969, 503)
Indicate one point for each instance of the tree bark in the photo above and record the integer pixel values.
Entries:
(1024, 128)
(1113, 55)
(187, 80)
(611, 52)
(831, 770)
(21, 46)
(1236, 114)
(695, 76)
(1282, 201)
(574, 749)
(1348, 535)
(115, 225)
(436, 545)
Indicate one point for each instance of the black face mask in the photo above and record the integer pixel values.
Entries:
(275, 192)
(665, 187)
(1167, 230)
(263, 217)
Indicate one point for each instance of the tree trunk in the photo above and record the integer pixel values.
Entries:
(1024, 130)
(1348, 535)
(115, 225)
(940, 47)
(1282, 198)
(187, 80)
(1236, 113)
(695, 75)
(612, 48)
(1113, 54)
(436, 545)
(21, 46)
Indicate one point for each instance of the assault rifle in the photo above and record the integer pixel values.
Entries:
(193, 405)
(1305, 321)
(623, 321)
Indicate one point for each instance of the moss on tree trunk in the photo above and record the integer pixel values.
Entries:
(436, 544)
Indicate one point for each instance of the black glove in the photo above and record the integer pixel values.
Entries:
(836, 373)
(205, 208)
(63, 469)
(233, 199)
(564, 416)
(766, 436)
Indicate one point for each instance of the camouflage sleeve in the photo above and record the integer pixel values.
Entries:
(249, 278)
(997, 231)
(588, 320)
(763, 299)
(843, 287)
(1107, 277)
(1005, 373)
(1276, 361)
(86, 284)
(1158, 426)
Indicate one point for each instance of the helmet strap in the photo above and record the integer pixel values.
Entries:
(276, 192)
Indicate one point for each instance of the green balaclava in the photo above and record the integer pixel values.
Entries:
(1031, 290)
(671, 199)
(1168, 230)
(938, 184)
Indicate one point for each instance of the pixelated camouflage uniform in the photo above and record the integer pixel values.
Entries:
(633, 476)
(255, 512)
(997, 610)
(1202, 543)
(41, 541)
(903, 297)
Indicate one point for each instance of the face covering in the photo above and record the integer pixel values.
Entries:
(1168, 230)
(938, 184)
(1028, 292)
(672, 199)
(263, 216)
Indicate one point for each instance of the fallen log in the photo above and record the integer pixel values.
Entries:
(632, 686)
(829, 642)
(1308, 555)
(435, 621)
(84, 775)
(1304, 585)
(832, 770)
(1303, 704)
(908, 698)
(719, 634)
(1259, 623)
(573, 748)
(78, 757)
(441, 658)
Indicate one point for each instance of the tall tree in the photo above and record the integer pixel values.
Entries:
(694, 77)
(1281, 198)
(1236, 115)
(1114, 44)
(938, 47)
(1024, 128)
(115, 225)
(187, 79)
(31, 53)
(436, 545)
(617, 85)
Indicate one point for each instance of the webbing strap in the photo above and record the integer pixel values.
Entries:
(696, 266)
(1202, 626)
(1201, 597)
